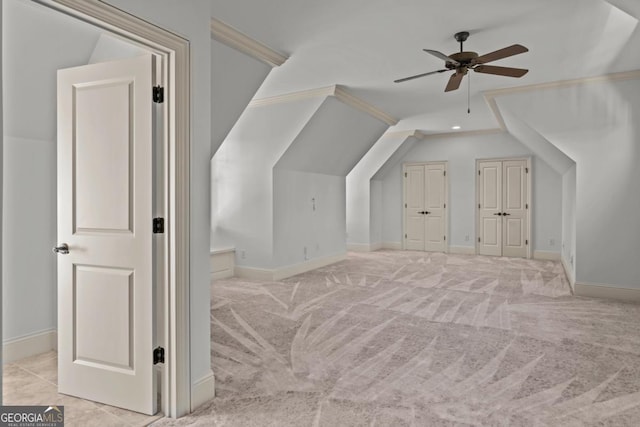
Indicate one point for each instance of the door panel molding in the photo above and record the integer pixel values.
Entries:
(503, 207)
(176, 70)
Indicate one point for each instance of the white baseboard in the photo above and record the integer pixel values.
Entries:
(222, 263)
(29, 345)
(546, 255)
(594, 290)
(288, 271)
(312, 264)
(254, 273)
(396, 246)
(203, 391)
(462, 250)
(364, 247)
(568, 271)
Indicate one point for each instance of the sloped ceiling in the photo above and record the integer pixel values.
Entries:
(366, 44)
(38, 42)
(333, 141)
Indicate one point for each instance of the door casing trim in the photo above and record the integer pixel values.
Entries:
(175, 51)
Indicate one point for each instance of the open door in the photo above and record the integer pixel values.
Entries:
(105, 226)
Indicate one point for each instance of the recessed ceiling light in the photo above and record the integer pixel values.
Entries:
(456, 127)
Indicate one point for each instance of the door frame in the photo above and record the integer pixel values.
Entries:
(446, 200)
(529, 209)
(175, 53)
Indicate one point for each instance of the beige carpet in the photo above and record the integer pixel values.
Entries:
(416, 339)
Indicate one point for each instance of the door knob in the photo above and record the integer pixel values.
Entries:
(427, 212)
(505, 214)
(63, 249)
(499, 213)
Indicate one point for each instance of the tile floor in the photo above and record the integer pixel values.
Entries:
(32, 381)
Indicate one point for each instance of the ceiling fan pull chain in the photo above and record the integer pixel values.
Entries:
(468, 93)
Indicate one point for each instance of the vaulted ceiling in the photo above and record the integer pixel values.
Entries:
(366, 44)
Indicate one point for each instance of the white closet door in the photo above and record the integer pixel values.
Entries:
(435, 199)
(105, 277)
(490, 200)
(414, 206)
(514, 219)
(425, 197)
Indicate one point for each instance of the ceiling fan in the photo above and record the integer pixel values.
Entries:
(461, 62)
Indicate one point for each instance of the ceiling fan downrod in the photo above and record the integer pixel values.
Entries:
(461, 37)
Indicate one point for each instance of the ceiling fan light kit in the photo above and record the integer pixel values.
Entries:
(463, 61)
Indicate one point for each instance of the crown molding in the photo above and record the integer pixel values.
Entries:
(293, 96)
(235, 39)
(404, 134)
(355, 102)
(336, 91)
(461, 134)
(490, 95)
(626, 75)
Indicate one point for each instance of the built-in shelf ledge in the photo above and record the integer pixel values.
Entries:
(222, 263)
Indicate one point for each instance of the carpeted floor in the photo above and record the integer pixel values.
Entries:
(396, 338)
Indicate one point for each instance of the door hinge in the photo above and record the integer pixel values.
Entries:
(405, 205)
(526, 242)
(445, 173)
(445, 206)
(526, 206)
(158, 225)
(158, 94)
(158, 355)
(478, 205)
(405, 174)
(445, 238)
(405, 236)
(526, 170)
(478, 240)
(478, 172)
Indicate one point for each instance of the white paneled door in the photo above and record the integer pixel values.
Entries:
(105, 258)
(425, 207)
(503, 220)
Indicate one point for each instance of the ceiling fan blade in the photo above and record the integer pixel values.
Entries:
(442, 56)
(501, 71)
(419, 75)
(454, 82)
(502, 53)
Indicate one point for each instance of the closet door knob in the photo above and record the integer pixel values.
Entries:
(499, 213)
(505, 214)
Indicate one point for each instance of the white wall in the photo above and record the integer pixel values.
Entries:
(1, 188)
(461, 153)
(242, 178)
(308, 216)
(597, 125)
(362, 219)
(377, 213)
(569, 222)
(36, 43)
(235, 78)
(29, 234)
